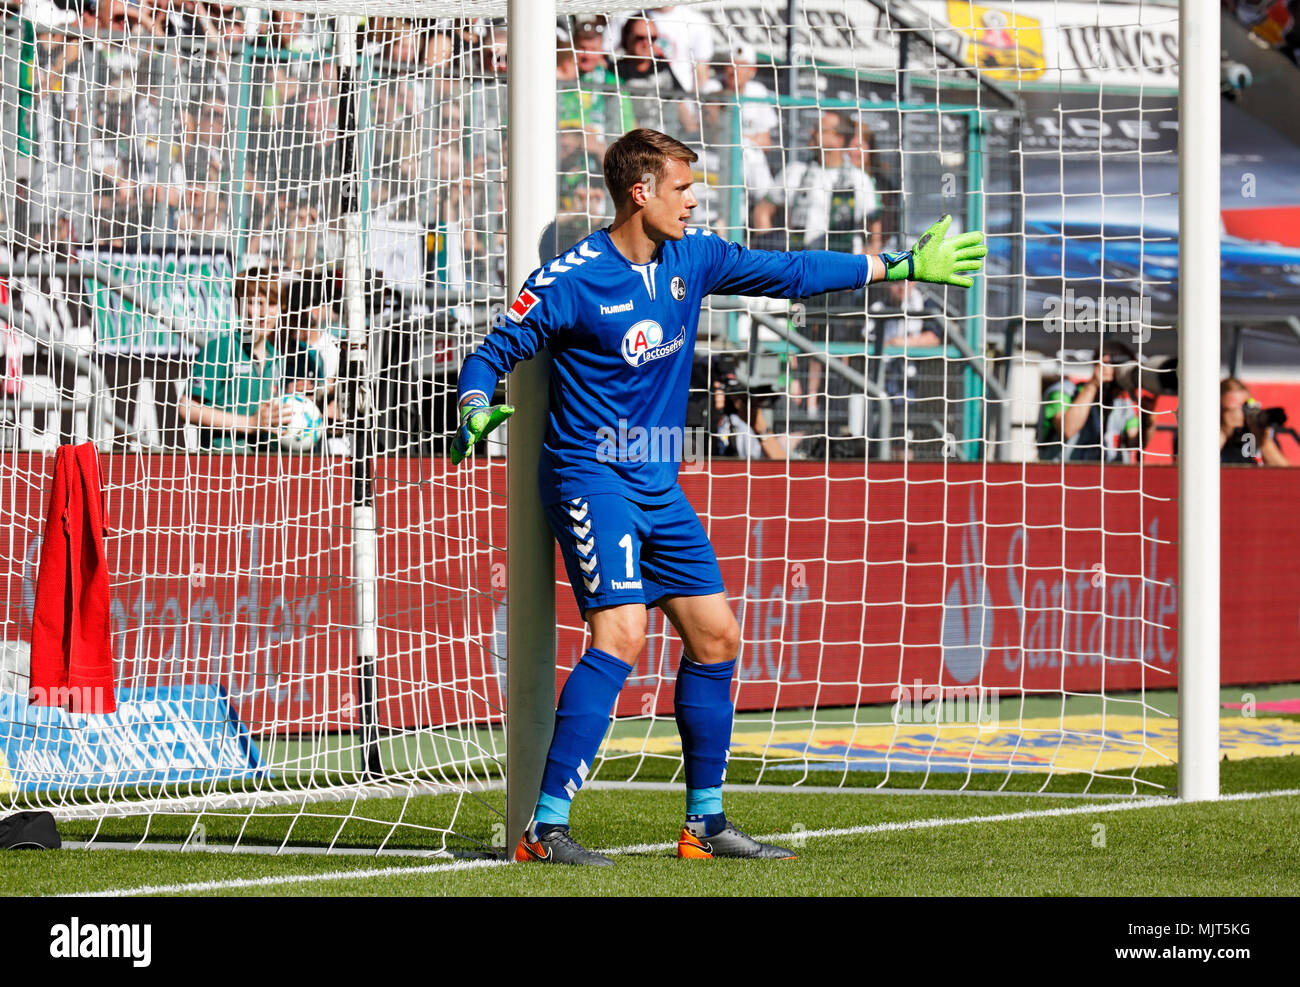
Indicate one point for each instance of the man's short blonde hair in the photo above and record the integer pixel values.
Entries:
(639, 153)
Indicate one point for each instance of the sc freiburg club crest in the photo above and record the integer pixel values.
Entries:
(678, 288)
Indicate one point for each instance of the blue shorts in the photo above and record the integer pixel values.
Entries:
(619, 551)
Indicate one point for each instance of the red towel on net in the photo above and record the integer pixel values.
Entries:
(72, 660)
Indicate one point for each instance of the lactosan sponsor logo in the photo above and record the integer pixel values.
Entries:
(103, 941)
(645, 342)
(616, 309)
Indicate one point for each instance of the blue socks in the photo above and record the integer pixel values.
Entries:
(581, 719)
(702, 702)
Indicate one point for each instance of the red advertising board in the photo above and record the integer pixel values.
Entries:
(848, 580)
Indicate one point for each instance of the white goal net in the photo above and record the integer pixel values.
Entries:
(246, 248)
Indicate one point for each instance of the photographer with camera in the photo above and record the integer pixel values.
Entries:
(1109, 417)
(1246, 428)
(738, 423)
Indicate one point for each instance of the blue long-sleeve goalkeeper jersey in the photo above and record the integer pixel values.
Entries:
(621, 338)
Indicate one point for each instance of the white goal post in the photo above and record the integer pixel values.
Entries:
(935, 589)
(1198, 465)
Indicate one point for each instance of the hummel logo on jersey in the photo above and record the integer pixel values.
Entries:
(523, 305)
(616, 309)
(678, 288)
(645, 342)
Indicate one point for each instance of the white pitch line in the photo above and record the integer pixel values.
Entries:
(272, 881)
(895, 827)
(887, 827)
(254, 850)
(670, 786)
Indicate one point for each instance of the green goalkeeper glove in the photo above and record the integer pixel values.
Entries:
(477, 419)
(936, 260)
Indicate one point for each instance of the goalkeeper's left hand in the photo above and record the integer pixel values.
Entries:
(477, 419)
(938, 260)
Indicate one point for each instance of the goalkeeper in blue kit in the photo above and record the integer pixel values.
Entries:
(618, 314)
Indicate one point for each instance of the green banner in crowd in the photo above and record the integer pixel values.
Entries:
(26, 87)
(194, 289)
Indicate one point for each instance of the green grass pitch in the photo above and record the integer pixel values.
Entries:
(852, 841)
(1232, 847)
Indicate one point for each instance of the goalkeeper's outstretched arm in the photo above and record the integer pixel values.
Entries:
(934, 258)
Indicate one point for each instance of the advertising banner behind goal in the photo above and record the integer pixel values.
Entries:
(846, 584)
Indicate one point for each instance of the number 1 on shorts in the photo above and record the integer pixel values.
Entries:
(625, 543)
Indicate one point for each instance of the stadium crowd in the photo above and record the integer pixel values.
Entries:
(133, 142)
(177, 125)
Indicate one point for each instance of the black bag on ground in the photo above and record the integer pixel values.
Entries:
(29, 831)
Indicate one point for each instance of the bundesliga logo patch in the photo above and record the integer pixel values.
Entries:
(523, 305)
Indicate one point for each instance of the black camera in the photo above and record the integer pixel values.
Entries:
(1157, 376)
(739, 394)
(763, 395)
(1259, 418)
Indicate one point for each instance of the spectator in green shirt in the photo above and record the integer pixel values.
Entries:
(587, 91)
(239, 375)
